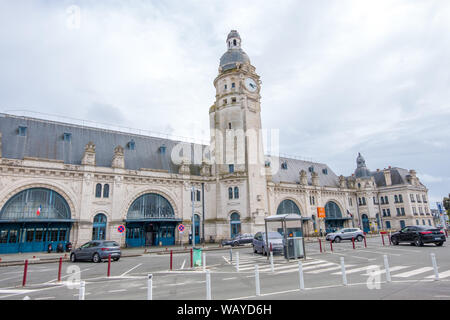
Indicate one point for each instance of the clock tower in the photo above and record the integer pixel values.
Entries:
(236, 139)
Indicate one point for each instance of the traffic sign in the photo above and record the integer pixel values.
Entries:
(121, 229)
(181, 228)
(321, 212)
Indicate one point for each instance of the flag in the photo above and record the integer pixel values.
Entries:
(38, 212)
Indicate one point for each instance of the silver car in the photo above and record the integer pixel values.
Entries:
(275, 239)
(346, 234)
(96, 251)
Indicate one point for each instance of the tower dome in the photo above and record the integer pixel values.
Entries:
(234, 54)
(361, 169)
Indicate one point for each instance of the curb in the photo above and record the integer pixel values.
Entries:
(47, 260)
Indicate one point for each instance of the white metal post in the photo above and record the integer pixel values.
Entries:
(231, 255)
(204, 262)
(386, 266)
(272, 268)
(300, 274)
(435, 267)
(150, 287)
(237, 261)
(258, 289)
(208, 285)
(82, 290)
(344, 275)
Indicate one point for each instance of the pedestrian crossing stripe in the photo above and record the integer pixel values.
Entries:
(413, 272)
(442, 275)
(327, 269)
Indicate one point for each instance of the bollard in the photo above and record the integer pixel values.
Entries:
(353, 241)
(109, 265)
(382, 238)
(365, 242)
(82, 290)
(331, 245)
(390, 241)
(435, 267)
(272, 267)
(150, 287)
(320, 245)
(237, 261)
(271, 247)
(204, 262)
(446, 235)
(171, 260)
(208, 285)
(386, 266)
(25, 269)
(59, 269)
(231, 255)
(192, 262)
(300, 274)
(257, 284)
(344, 275)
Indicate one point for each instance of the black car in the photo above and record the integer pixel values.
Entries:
(238, 240)
(419, 235)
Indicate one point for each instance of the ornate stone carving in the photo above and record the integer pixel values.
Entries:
(205, 169)
(89, 154)
(184, 168)
(303, 178)
(118, 160)
(342, 182)
(315, 179)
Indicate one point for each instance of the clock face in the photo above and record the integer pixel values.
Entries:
(251, 85)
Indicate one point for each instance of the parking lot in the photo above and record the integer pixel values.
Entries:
(410, 267)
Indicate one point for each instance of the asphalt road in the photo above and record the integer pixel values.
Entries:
(411, 269)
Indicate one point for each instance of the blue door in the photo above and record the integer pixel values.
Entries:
(197, 228)
(99, 227)
(366, 224)
(235, 223)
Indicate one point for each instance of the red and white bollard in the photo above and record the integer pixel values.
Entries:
(365, 242)
(171, 259)
(353, 241)
(192, 262)
(382, 238)
(320, 245)
(25, 269)
(109, 265)
(331, 245)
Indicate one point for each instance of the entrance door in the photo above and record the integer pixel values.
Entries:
(366, 224)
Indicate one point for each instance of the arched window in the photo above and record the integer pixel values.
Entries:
(98, 190)
(288, 207)
(230, 193)
(150, 205)
(106, 191)
(332, 210)
(99, 227)
(236, 192)
(235, 223)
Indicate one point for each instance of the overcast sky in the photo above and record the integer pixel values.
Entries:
(339, 77)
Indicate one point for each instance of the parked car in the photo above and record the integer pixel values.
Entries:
(346, 234)
(238, 240)
(260, 245)
(96, 251)
(418, 235)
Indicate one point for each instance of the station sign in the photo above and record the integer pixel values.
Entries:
(321, 212)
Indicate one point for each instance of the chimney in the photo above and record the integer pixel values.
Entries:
(89, 154)
(118, 160)
(387, 177)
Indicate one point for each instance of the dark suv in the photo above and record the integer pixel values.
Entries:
(419, 235)
(96, 250)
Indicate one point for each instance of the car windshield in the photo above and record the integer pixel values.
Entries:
(274, 235)
(109, 244)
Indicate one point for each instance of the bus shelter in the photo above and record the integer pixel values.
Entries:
(290, 226)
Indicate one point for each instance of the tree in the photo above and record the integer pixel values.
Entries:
(447, 204)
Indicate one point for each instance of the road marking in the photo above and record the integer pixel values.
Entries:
(383, 253)
(232, 278)
(413, 272)
(327, 269)
(393, 269)
(119, 290)
(44, 298)
(357, 270)
(123, 274)
(347, 255)
(442, 275)
(182, 266)
(295, 268)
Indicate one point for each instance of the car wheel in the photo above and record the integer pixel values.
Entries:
(337, 240)
(73, 258)
(254, 250)
(418, 242)
(116, 259)
(394, 241)
(439, 244)
(96, 258)
(359, 238)
(234, 244)
(264, 251)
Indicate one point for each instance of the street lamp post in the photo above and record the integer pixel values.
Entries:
(193, 217)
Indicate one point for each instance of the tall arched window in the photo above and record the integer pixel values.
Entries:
(288, 207)
(236, 192)
(98, 190)
(106, 191)
(150, 205)
(99, 227)
(235, 223)
(230, 193)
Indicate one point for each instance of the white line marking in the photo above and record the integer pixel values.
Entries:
(357, 270)
(393, 269)
(442, 275)
(120, 290)
(182, 266)
(123, 274)
(413, 272)
(44, 298)
(328, 269)
(232, 278)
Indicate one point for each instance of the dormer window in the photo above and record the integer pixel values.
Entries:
(229, 125)
(225, 87)
(233, 85)
(162, 149)
(325, 171)
(234, 42)
(311, 169)
(284, 165)
(67, 137)
(225, 101)
(22, 131)
(233, 100)
(132, 145)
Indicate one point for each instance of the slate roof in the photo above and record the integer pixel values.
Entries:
(399, 176)
(44, 139)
